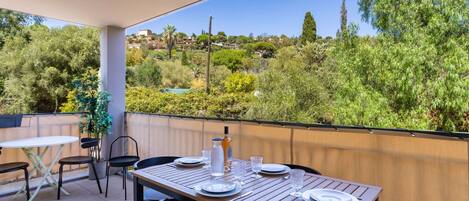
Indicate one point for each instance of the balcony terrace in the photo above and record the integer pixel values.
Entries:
(407, 165)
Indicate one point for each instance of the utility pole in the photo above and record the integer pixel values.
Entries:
(207, 71)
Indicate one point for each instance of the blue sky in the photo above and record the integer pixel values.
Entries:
(242, 17)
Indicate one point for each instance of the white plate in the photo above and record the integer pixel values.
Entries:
(285, 171)
(179, 163)
(218, 187)
(327, 195)
(273, 168)
(237, 190)
(190, 160)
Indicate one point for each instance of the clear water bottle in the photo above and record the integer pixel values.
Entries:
(217, 160)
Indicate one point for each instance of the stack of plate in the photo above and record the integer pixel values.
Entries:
(274, 169)
(218, 189)
(189, 161)
(327, 195)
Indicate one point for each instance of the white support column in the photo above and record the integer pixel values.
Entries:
(112, 74)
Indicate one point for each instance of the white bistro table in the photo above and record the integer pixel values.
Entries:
(29, 146)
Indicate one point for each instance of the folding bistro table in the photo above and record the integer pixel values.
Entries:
(29, 146)
(179, 183)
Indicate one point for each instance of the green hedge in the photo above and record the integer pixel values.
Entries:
(194, 103)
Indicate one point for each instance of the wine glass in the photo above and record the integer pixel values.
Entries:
(256, 165)
(238, 168)
(207, 155)
(296, 181)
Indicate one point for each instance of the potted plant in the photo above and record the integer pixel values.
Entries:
(95, 120)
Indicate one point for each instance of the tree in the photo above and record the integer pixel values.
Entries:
(343, 17)
(175, 75)
(202, 41)
(134, 57)
(13, 23)
(54, 83)
(309, 29)
(169, 38)
(220, 37)
(265, 49)
(55, 56)
(422, 58)
(232, 59)
(290, 92)
(148, 74)
(184, 59)
(240, 82)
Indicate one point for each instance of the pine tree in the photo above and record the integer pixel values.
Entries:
(343, 17)
(309, 29)
(184, 59)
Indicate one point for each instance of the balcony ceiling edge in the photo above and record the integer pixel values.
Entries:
(119, 13)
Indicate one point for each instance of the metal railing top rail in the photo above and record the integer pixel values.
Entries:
(449, 134)
(57, 113)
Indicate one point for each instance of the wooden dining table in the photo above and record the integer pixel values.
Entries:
(179, 183)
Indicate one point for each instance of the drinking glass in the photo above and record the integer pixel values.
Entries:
(207, 155)
(296, 181)
(238, 168)
(256, 165)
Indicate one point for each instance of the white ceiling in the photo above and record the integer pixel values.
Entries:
(98, 13)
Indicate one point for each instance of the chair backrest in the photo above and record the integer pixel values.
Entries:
(160, 160)
(306, 169)
(89, 142)
(123, 138)
(10, 121)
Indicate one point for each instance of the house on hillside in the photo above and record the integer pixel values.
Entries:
(144, 32)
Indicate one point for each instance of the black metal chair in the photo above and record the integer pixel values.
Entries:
(86, 143)
(306, 169)
(124, 162)
(15, 166)
(150, 194)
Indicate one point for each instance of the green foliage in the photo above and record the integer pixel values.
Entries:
(38, 70)
(54, 82)
(309, 29)
(175, 75)
(240, 82)
(343, 17)
(169, 38)
(202, 41)
(13, 24)
(194, 103)
(157, 54)
(232, 59)
(266, 49)
(96, 121)
(70, 105)
(289, 91)
(148, 74)
(184, 58)
(134, 57)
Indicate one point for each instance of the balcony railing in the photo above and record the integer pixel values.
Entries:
(37, 125)
(409, 165)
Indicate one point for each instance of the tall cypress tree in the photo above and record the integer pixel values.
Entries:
(343, 17)
(309, 29)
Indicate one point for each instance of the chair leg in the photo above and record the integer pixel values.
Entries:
(107, 178)
(26, 179)
(61, 169)
(123, 185)
(124, 176)
(96, 176)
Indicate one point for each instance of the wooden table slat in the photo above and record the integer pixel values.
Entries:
(181, 181)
